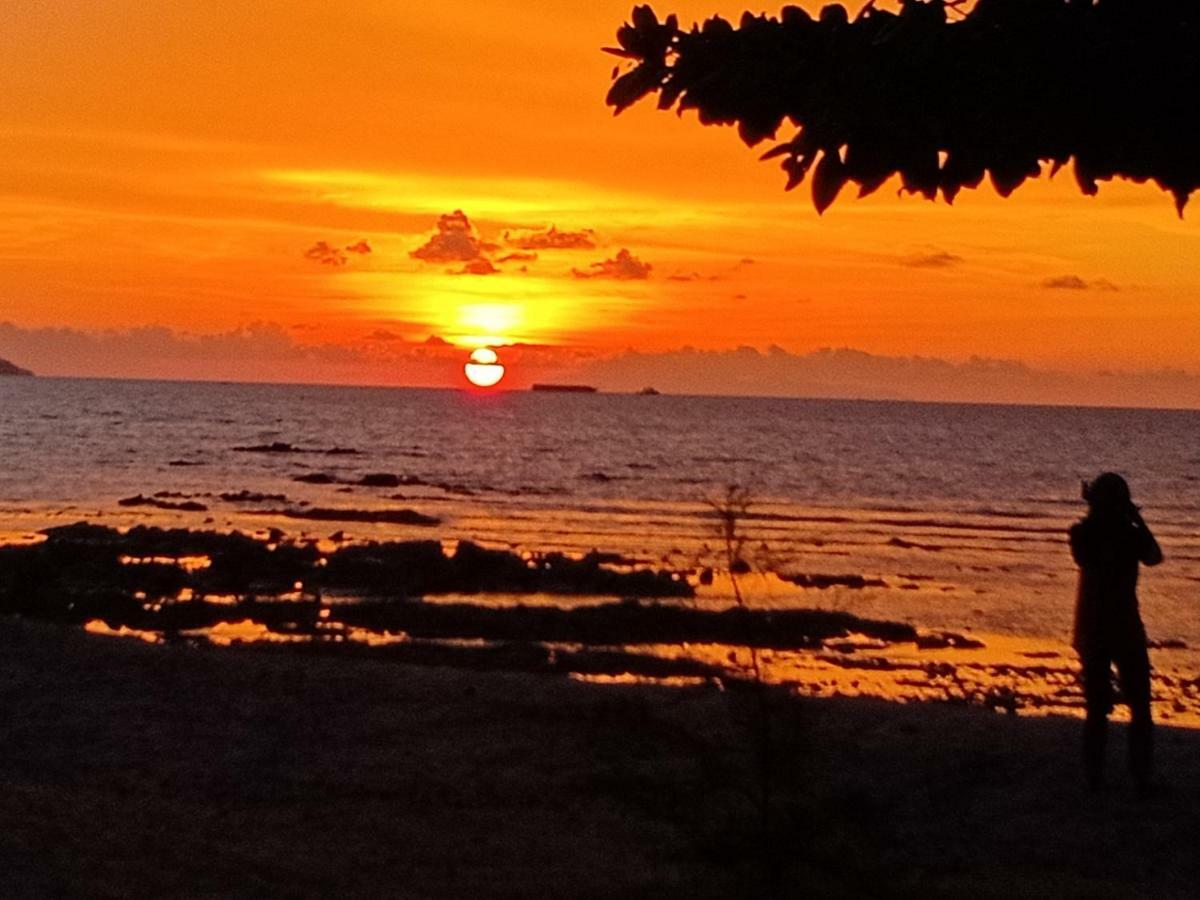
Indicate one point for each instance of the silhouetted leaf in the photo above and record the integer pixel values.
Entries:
(828, 178)
(631, 87)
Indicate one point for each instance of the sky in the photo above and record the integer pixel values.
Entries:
(364, 193)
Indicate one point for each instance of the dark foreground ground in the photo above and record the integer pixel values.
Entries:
(135, 770)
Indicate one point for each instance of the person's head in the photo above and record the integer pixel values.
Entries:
(1108, 493)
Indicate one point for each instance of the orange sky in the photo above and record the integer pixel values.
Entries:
(170, 164)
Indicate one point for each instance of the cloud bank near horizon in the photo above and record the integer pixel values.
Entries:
(845, 373)
(270, 352)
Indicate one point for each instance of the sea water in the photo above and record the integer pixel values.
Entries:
(959, 510)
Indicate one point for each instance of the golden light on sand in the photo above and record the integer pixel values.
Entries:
(484, 368)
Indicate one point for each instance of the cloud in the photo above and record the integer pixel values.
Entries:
(692, 276)
(266, 352)
(551, 239)
(455, 241)
(624, 267)
(362, 247)
(1075, 283)
(325, 254)
(1065, 283)
(479, 266)
(932, 259)
(142, 350)
(518, 257)
(848, 373)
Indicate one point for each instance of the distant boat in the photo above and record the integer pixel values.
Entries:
(565, 388)
(649, 392)
(7, 368)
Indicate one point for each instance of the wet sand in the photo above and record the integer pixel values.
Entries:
(132, 769)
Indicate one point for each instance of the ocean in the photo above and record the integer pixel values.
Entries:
(956, 515)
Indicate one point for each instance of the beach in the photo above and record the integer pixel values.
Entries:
(198, 771)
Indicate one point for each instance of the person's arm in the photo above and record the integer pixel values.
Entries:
(1075, 533)
(1151, 554)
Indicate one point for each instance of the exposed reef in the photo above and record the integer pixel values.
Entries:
(174, 580)
(83, 571)
(245, 496)
(821, 582)
(158, 503)
(325, 514)
(285, 447)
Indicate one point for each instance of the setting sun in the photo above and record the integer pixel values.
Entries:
(484, 368)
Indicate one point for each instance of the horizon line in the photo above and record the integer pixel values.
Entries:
(600, 391)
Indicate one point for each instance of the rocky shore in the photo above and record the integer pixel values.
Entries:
(600, 616)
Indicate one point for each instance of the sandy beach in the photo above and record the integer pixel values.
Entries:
(132, 769)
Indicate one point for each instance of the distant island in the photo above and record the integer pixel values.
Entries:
(566, 388)
(649, 392)
(7, 368)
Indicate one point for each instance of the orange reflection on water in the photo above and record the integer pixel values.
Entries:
(627, 678)
(10, 538)
(1018, 675)
(246, 631)
(187, 563)
(376, 638)
(98, 626)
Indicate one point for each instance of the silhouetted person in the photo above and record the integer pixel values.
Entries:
(1108, 544)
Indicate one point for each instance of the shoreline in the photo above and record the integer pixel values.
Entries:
(599, 617)
(249, 772)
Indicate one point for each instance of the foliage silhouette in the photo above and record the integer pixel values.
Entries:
(940, 96)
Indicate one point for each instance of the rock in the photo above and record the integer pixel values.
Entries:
(7, 368)
(245, 496)
(598, 557)
(324, 514)
(185, 506)
(275, 447)
(381, 480)
(821, 582)
(315, 478)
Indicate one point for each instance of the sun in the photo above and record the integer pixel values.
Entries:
(484, 368)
